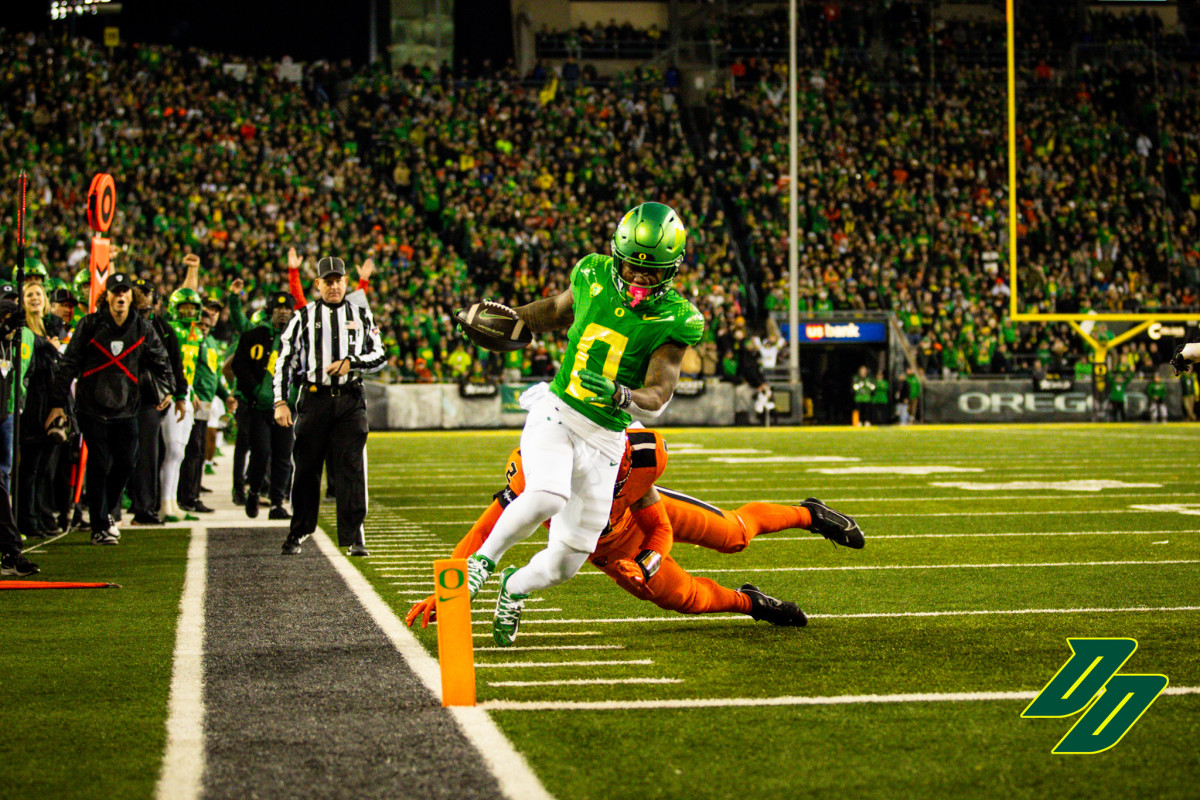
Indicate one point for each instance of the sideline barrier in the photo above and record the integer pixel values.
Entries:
(1001, 400)
(417, 406)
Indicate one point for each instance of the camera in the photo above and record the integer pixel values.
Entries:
(12, 318)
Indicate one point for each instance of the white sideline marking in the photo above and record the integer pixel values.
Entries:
(550, 647)
(183, 761)
(867, 615)
(641, 662)
(726, 702)
(585, 682)
(516, 779)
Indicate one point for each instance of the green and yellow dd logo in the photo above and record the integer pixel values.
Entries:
(1089, 682)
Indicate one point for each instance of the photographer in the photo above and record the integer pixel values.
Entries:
(107, 354)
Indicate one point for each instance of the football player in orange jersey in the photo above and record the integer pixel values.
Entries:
(634, 549)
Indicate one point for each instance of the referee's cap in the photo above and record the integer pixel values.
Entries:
(330, 265)
(280, 300)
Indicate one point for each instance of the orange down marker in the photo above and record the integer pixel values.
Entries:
(456, 652)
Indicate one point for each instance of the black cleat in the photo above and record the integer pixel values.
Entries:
(279, 512)
(18, 565)
(239, 496)
(834, 525)
(769, 609)
(146, 518)
(291, 547)
(252, 505)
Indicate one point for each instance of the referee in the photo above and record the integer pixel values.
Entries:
(326, 348)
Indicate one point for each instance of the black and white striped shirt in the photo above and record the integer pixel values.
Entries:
(319, 335)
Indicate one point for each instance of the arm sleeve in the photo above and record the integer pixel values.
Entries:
(237, 315)
(656, 526)
(372, 358)
(71, 363)
(296, 287)
(289, 351)
(156, 354)
(479, 531)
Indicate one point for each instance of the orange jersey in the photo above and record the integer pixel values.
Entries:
(644, 462)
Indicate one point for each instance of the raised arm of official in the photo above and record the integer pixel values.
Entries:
(549, 313)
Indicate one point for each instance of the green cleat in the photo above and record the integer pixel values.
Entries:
(509, 606)
(479, 569)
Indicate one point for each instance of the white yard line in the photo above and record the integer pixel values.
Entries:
(550, 647)
(183, 762)
(855, 568)
(870, 567)
(526, 634)
(516, 779)
(742, 702)
(770, 537)
(584, 682)
(867, 615)
(974, 497)
(632, 662)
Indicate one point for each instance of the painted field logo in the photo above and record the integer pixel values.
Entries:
(1089, 682)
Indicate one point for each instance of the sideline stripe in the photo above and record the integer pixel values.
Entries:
(867, 615)
(516, 779)
(550, 647)
(726, 702)
(183, 762)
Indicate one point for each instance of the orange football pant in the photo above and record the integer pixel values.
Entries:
(673, 588)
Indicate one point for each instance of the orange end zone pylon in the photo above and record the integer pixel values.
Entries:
(456, 651)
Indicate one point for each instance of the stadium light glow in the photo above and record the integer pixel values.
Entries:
(64, 9)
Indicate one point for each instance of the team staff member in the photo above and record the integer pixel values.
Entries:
(327, 347)
(143, 483)
(106, 355)
(253, 369)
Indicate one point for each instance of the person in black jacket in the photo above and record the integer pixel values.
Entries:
(253, 367)
(156, 397)
(106, 355)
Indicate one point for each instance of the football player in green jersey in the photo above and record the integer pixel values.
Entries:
(183, 312)
(628, 332)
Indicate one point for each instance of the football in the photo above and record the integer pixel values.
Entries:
(494, 326)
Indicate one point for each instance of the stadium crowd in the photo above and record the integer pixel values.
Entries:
(491, 185)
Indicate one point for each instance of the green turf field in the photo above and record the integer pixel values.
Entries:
(1083, 531)
(1023, 539)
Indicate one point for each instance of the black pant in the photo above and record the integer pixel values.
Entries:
(112, 449)
(241, 445)
(34, 473)
(269, 442)
(143, 483)
(10, 538)
(192, 469)
(334, 428)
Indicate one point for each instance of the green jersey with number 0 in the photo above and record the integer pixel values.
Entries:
(615, 340)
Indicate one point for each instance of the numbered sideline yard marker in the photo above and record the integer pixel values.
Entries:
(456, 653)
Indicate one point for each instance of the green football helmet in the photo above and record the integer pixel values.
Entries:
(184, 297)
(649, 236)
(83, 286)
(34, 268)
